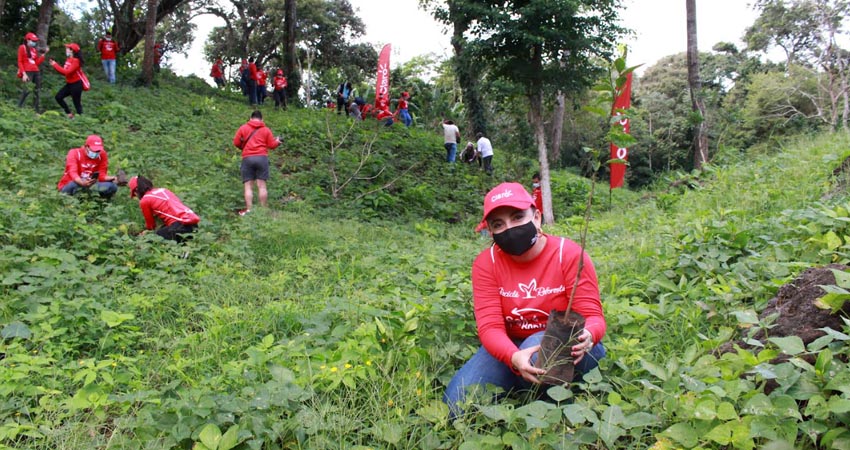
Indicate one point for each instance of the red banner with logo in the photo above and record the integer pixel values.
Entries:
(382, 85)
(623, 101)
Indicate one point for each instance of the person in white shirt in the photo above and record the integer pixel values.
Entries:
(485, 149)
(451, 136)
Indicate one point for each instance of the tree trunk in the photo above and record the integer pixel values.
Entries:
(2, 8)
(535, 100)
(466, 75)
(150, 41)
(45, 12)
(558, 125)
(290, 37)
(697, 104)
(126, 29)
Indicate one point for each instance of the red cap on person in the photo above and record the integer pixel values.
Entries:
(507, 194)
(31, 37)
(405, 94)
(279, 72)
(74, 47)
(94, 142)
(132, 185)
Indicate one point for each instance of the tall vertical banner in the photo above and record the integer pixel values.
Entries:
(382, 86)
(623, 101)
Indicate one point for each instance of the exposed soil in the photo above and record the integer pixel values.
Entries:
(798, 314)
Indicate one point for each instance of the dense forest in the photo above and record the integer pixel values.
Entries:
(336, 317)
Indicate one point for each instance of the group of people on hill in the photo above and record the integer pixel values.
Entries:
(254, 80)
(356, 107)
(481, 151)
(31, 56)
(87, 169)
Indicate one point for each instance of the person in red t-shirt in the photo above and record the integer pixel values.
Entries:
(158, 51)
(86, 168)
(217, 74)
(262, 79)
(255, 140)
(178, 220)
(515, 284)
(29, 58)
(108, 51)
(536, 192)
(73, 83)
(402, 109)
(279, 92)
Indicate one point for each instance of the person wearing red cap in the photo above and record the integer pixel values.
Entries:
(279, 93)
(159, 203)
(402, 109)
(29, 58)
(217, 74)
(73, 82)
(536, 192)
(86, 168)
(516, 282)
(108, 51)
(255, 140)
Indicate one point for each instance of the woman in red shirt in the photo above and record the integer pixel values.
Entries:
(29, 58)
(160, 203)
(73, 84)
(515, 284)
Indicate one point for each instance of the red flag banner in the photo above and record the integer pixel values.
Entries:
(382, 86)
(623, 101)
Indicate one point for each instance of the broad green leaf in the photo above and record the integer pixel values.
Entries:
(748, 317)
(113, 319)
(682, 433)
(706, 410)
(654, 369)
(838, 405)
(200, 446)
(515, 441)
(640, 420)
(559, 393)
(823, 362)
(16, 329)
(833, 301)
(210, 436)
(726, 411)
(434, 411)
(842, 278)
(722, 434)
(230, 438)
(790, 345)
(832, 240)
(578, 414)
(268, 340)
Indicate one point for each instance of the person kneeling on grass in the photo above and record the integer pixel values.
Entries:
(179, 220)
(85, 168)
(516, 282)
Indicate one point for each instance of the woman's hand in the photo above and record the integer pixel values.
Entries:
(521, 362)
(585, 343)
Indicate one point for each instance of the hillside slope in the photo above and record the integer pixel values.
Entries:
(336, 323)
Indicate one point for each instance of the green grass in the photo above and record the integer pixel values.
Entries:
(335, 322)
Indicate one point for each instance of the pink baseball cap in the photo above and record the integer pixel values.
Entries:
(507, 194)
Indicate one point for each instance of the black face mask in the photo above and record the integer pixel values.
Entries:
(517, 240)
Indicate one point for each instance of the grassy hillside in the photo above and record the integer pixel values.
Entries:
(335, 321)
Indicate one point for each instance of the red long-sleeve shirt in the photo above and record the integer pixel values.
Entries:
(71, 69)
(162, 203)
(513, 300)
(216, 71)
(279, 82)
(29, 59)
(259, 143)
(108, 49)
(262, 77)
(79, 165)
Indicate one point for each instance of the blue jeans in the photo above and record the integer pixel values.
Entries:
(252, 92)
(405, 117)
(483, 369)
(451, 151)
(109, 69)
(106, 189)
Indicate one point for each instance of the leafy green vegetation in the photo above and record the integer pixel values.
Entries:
(335, 318)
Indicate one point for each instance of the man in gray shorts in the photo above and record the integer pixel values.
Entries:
(255, 140)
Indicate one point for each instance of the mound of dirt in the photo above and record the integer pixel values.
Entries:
(798, 314)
